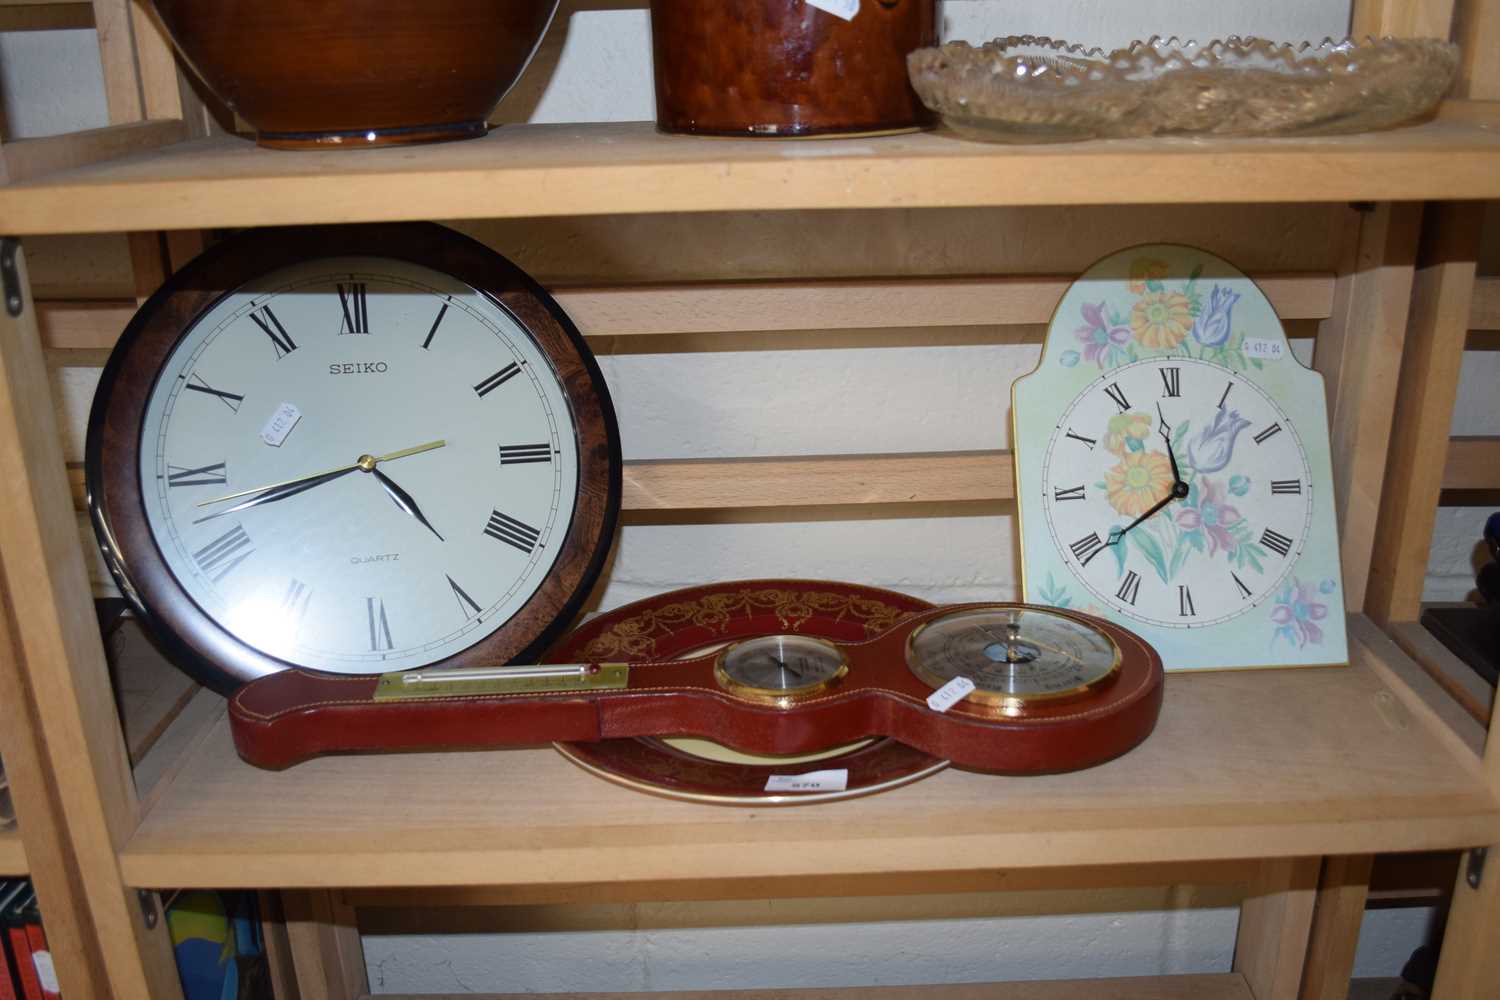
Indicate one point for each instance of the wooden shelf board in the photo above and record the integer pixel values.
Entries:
(1243, 764)
(12, 854)
(1225, 986)
(617, 168)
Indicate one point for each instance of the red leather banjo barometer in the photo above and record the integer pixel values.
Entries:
(1008, 688)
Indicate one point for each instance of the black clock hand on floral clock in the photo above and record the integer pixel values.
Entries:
(404, 500)
(1179, 490)
(1166, 436)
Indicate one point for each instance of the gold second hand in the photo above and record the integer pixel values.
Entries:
(365, 462)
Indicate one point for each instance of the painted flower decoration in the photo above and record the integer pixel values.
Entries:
(1212, 449)
(1097, 335)
(1161, 319)
(1138, 482)
(1295, 613)
(1127, 432)
(1212, 513)
(1212, 327)
(1145, 271)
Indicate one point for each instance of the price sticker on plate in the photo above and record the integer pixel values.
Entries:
(838, 8)
(813, 781)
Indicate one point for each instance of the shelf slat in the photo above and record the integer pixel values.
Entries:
(618, 168)
(1242, 764)
(12, 854)
(1225, 986)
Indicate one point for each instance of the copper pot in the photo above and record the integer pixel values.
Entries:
(309, 73)
(787, 68)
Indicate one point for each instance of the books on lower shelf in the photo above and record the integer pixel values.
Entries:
(28, 972)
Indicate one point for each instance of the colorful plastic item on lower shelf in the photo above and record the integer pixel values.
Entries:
(216, 939)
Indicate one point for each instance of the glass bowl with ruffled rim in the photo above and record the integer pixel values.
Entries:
(1024, 89)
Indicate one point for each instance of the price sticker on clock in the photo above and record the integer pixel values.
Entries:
(280, 424)
(1263, 348)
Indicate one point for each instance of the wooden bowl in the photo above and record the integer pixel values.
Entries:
(787, 68)
(332, 73)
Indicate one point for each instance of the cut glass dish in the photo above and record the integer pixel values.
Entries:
(1029, 89)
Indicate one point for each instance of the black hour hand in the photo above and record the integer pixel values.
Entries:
(403, 499)
(1166, 436)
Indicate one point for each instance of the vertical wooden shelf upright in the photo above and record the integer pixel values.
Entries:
(1391, 324)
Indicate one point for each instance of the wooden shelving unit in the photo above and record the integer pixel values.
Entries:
(12, 854)
(615, 169)
(1282, 782)
(1303, 763)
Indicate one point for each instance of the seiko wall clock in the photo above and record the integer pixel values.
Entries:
(1173, 469)
(355, 449)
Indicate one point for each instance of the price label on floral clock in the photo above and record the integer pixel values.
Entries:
(1173, 470)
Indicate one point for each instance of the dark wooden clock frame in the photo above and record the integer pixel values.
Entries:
(193, 640)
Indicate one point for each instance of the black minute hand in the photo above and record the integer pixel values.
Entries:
(279, 493)
(1115, 536)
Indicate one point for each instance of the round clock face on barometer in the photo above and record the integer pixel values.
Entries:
(1173, 467)
(355, 450)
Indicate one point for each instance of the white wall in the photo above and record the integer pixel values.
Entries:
(596, 67)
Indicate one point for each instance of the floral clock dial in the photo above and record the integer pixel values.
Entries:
(1179, 491)
(1173, 469)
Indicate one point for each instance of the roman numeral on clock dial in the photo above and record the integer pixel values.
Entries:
(1286, 486)
(498, 379)
(1185, 607)
(466, 604)
(296, 599)
(427, 344)
(512, 532)
(271, 327)
(1130, 589)
(229, 399)
(1114, 392)
(521, 454)
(1171, 381)
(355, 300)
(1087, 547)
(207, 475)
(1267, 434)
(1079, 437)
(1071, 493)
(380, 626)
(1276, 542)
(1240, 585)
(223, 554)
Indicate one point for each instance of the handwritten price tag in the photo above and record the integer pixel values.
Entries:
(280, 424)
(838, 8)
(1262, 348)
(950, 694)
(812, 781)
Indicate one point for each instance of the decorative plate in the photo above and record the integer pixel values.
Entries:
(684, 622)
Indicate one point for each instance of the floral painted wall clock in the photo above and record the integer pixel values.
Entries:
(1173, 470)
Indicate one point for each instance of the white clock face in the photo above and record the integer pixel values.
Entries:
(395, 563)
(1185, 547)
